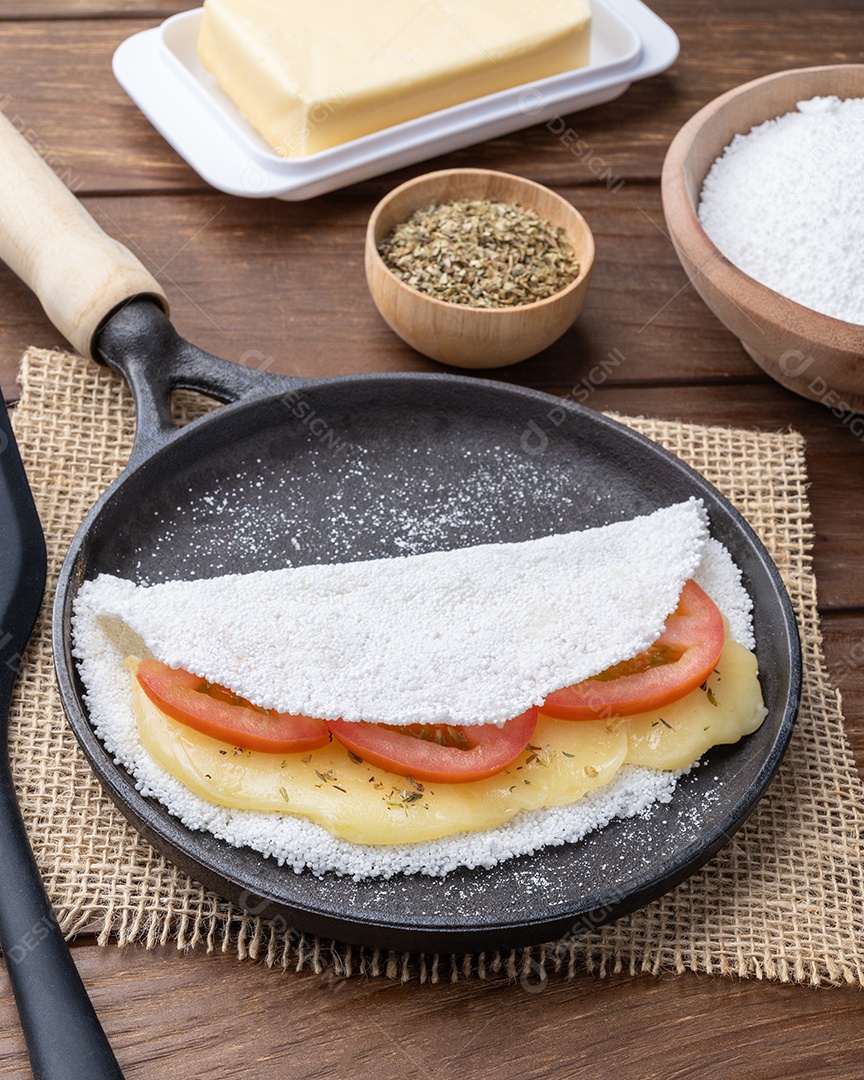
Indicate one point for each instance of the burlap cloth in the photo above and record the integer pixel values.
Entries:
(783, 900)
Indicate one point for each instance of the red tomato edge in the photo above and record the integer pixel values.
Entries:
(297, 733)
(491, 749)
(643, 695)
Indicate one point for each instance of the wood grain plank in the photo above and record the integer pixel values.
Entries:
(214, 1017)
(285, 283)
(59, 91)
(54, 10)
(104, 9)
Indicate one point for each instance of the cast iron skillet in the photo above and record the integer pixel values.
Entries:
(290, 471)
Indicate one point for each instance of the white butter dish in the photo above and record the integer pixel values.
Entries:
(160, 70)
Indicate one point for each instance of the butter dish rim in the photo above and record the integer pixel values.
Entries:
(159, 70)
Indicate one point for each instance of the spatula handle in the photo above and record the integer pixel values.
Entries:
(79, 273)
(64, 1037)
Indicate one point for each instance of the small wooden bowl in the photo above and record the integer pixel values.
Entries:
(455, 333)
(817, 356)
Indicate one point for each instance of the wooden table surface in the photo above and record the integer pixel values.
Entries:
(282, 284)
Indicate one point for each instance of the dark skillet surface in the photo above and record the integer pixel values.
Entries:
(407, 465)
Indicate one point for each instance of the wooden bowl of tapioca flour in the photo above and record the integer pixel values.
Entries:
(762, 196)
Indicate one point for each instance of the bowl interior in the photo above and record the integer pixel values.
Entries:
(775, 330)
(452, 184)
(738, 111)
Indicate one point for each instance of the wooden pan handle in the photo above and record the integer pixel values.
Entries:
(79, 273)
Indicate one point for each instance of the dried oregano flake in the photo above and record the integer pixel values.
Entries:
(480, 253)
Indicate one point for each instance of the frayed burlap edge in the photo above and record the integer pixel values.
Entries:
(781, 901)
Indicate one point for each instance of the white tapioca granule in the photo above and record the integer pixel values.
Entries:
(783, 203)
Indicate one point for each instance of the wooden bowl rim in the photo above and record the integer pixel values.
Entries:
(826, 331)
(416, 295)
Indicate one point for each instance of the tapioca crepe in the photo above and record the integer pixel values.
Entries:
(470, 636)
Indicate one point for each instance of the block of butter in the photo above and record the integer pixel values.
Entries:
(312, 74)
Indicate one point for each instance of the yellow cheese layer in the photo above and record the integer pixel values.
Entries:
(364, 804)
(309, 76)
(729, 707)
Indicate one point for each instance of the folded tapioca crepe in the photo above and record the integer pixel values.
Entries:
(465, 637)
(471, 636)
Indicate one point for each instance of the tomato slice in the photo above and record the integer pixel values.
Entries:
(442, 753)
(215, 711)
(681, 659)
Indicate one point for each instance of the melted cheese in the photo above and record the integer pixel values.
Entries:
(368, 805)
(311, 75)
(364, 804)
(728, 708)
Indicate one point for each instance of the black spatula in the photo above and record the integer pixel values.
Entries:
(64, 1036)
